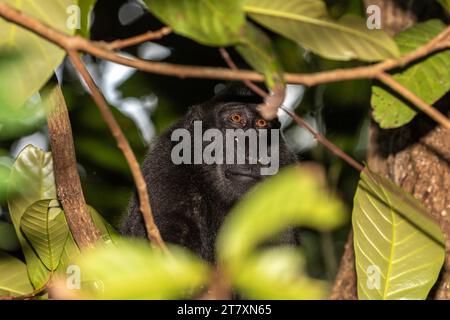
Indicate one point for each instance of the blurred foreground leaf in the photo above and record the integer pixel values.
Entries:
(16, 119)
(292, 198)
(132, 269)
(37, 58)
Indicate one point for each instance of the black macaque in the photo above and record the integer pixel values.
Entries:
(190, 201)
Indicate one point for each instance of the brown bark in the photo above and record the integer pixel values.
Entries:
(416, 157)
(344, 287)
(68, 182)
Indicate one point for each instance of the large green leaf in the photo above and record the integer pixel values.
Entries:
(210, 22)
(45, 227)
(13, 277)
(257, 50)
(132, 269)
(399, 249)
(307, 23)
(293, 197)
(37, 58)
(428, 78)
(33, 170)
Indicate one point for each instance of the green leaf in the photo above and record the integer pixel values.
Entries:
(8, 238)
(86, 7)
(107, 232)
(33, 169)
(13, 277)
(429, 78)
(399, 249)
(37, 58)
(307, 23)
(16, 120)
(445, 4)
(257, 50)
(70, 253)
(209, 22)
(291, 198)
(45, 227)
(278, 274)
(133, 270)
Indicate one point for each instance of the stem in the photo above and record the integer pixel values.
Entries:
(148, 36)
(327, 143)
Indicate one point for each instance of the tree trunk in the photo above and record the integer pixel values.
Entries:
(416, 157)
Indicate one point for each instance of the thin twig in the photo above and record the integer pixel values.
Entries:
(122, 142)
(327, 143)
(148, 36)
(248, 83)
(409, 95)
(77, 43)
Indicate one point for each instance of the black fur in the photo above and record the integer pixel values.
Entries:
(190, 202)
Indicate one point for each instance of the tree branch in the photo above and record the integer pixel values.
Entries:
(129, 42)
(260, 92)
(68, 184)
(77, 43)
(327, 143)
(122, 143)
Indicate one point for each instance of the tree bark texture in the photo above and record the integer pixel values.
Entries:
(68, 182)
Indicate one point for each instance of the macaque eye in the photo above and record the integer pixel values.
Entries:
(236, 118)
(261, 123)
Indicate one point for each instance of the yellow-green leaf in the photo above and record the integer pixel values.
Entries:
(13, 277)
(45, 227)
(210, 22)
(293, 197)
(132, 269)
(33, 170)
(86, 7)
(399, 249)
(307, 23)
